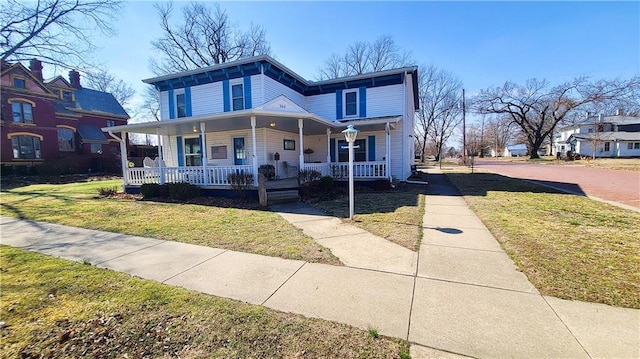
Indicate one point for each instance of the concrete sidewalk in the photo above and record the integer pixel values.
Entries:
(464, 298)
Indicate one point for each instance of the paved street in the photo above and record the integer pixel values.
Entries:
(610, 185)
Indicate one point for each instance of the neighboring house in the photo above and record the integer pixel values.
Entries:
(601, 136)
(256, 111)
(55, 123)
(516, 150)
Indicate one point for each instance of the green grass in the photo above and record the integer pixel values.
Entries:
(63, 309)
(568, 246)
(395, 215)
(76, 204)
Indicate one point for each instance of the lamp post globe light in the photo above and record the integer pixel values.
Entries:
(350, 135)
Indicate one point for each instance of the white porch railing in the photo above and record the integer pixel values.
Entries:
(216, 175)
(371, 169)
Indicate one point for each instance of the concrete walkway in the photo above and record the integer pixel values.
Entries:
(464, 299)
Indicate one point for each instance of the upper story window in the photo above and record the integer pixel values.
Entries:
(66, 139)
(26, 147)
(67, 96)
(237, 97)
(111, 123)
(22, 112)
(181, 105)
(19, 83)
(351, 103)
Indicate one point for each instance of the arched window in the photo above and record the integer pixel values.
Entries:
(26, 147)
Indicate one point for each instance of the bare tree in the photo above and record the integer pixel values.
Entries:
(537, 107)
(152, 102)
(56, 31)
(439, 113)
(498, 133)
(363, 57)
(203, 36)
(104, 81)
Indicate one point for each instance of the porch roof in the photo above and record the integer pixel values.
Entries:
(241, 120)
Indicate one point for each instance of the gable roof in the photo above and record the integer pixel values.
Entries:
(59, 81)
(98, 101)
(270, 67)
(24, 71)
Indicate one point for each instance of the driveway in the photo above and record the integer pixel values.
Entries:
(610, 185)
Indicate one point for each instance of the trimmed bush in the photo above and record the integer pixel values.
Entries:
(307, 176)
(326, 184)
(107, 191)
(183, 191)
(269, 171)
(150, 190)
(240, 182)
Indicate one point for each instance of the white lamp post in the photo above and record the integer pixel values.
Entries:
(350, 135)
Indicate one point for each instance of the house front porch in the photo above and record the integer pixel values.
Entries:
(218, 176)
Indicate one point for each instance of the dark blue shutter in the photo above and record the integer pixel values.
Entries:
(372, 148)
(187, 100)
(172, 105)
(247, 92)
(363, 102)
(180, 151)
(332, 150)
(338, 104)
(225, 96)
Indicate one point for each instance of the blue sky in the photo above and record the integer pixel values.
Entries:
(482, 43)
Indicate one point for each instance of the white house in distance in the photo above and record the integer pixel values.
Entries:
(256, 111)
(601, 136)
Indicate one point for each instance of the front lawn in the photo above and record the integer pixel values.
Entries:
(247, 230)
(395, 215)
(569, 246)
(54, 308)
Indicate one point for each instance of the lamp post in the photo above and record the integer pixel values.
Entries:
(350, 135)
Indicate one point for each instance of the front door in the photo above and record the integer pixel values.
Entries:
(192, 153)
(239, 151)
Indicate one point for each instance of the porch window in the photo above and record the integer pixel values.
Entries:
(359, 151)
(192, 154)
(289, 145)
(26, 147)
(22, 112)
(66, 139)
(181, 105)
(607, 146)
(351, 103)
(237, 97)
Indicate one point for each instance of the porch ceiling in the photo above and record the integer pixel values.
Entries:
(241, 120)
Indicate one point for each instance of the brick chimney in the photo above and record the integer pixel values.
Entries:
(74, 79)
(36, 69)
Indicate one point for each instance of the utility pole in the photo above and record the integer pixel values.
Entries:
(464, 132)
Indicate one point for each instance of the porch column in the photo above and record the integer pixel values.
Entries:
(254, 150)
(328, 145)
(123, 159)
(301, 144)
(203, 151)
(160, 157)
(387, 150)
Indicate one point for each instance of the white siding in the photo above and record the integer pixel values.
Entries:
(164, 105)
(226, 139)
(170, 151)
(257, 97)
(273, 89)
(319, 146)
(322, 105)
(397, 149)
(384, 101)
(207, 99)
(408, 125)
(275, 143)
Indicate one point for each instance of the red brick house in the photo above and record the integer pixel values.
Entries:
(54, 126)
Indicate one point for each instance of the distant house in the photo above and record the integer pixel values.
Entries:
(55, 123)
(601, 136)
(238, 116)
(516, 150)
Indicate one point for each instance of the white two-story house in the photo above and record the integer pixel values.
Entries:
(601, 136)
(240, 115)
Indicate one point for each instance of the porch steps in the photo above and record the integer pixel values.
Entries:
(274, 197)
